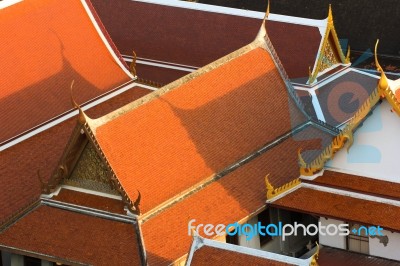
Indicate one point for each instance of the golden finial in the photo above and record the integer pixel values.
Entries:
(82, 116)
(309, 73)
(330, 16)
(267, 11)
(137, 203)
(314, 257)
(301, 160)
(270, 188)
(263, 32)
(132, 66)
(348, 55)
(383, 82)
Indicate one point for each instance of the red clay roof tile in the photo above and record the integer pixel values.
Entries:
(75, 237)
(212, 256)
(90, 200)
(194, 38)
(341, 207)
(186, 135)
(230, 199)
(40, 59)
(359, 183)
(19, 184)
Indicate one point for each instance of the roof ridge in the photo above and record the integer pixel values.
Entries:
(174, 85)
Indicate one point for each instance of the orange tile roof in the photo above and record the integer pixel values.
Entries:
(90, 200)
(359, 183)
(209, 256)
(42, 152)
(74, 237)
(341, 207)
(197, 129)
(230, 199)
(40, 59)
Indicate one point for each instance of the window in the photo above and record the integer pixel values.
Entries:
(358, 240)
(232, 239)
(29, 261)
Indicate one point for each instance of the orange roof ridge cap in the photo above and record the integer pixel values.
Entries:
(95, 123)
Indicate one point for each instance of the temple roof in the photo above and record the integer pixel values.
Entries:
(210, 252)
(342, 205)
(70, 237)
(190, 34)
(42, 152)
(40, 60)
(233, 197)
(197, 126)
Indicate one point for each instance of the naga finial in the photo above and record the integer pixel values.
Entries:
(82, 116)
(383, 82)
(132, 66)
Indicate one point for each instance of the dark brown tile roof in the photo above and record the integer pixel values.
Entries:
(194, 38)
(40, 60)
(74, 237)
(198, 128)
(213, 256)
(19, 185)
(334, 257)
(359, 183)
(230, 199)
(341, 98)
(91, 201)
(341, 207)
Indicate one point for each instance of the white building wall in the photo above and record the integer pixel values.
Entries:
(391, 251)
(255, 241)
(17, 260)
(332, 241)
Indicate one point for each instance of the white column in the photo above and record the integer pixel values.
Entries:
(254, 242)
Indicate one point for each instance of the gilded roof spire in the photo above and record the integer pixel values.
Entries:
(263, 32)
(347, 60)
(330, 16)
(132, 66)
(82, 116)
(383, 82)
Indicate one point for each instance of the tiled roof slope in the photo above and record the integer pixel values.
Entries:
(74, 237)
(227, 200)
(19, 184)
(44, 48)
(196, 38)
(197, 126)
(212, 256)
(359, 183)
(342, 207)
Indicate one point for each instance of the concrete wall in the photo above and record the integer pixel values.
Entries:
(391, 251)
(332, 241)
(255, 241)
